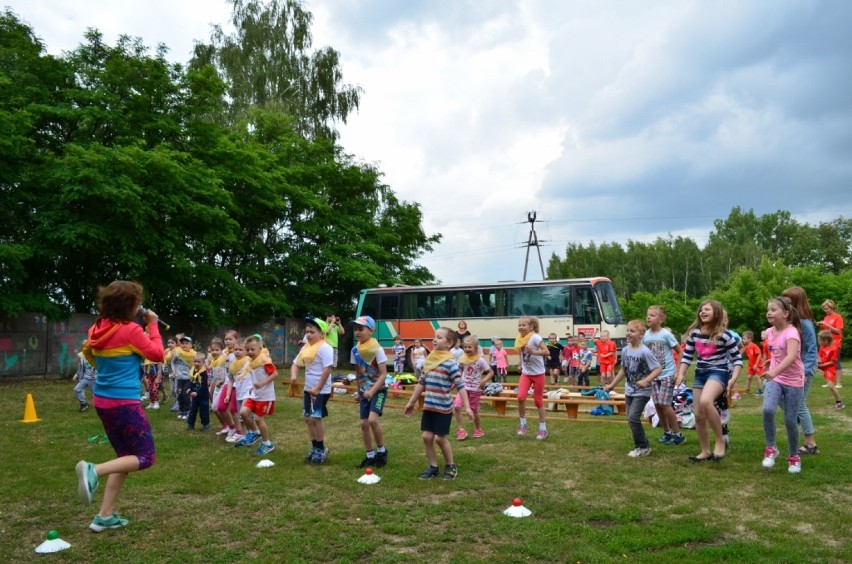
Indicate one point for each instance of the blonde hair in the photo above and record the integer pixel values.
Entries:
(661, 309)
(637, 324)
(533, 322)
(829, 303)
(451, 336)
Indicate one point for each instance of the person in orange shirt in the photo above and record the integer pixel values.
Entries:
(755, 362)
(828, 364)
(606, 358)
(833, 322)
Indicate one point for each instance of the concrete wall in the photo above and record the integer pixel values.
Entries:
(33, 347)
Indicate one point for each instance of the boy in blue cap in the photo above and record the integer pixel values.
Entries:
(370, 363)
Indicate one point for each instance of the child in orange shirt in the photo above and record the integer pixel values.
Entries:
(755, 362)
(828, 364)
(606, 358)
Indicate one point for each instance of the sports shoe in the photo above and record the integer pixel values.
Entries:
(253, 437)
(205, 428)
(450, 472)
(837, 404)
(100, 524)
(824, 386)
(235, 438)
(174, 408)
(366, 463)
(155, 405)
(223, 431)
(665, 438)
(84, 407)
(541, 435)
(461, 434)
(311, 454)
(522, 430)
(429, 473)
(87, 481)
(725, 417)
(145, 396)
(382, 459)
(839, 386)
(639, 452)
(320, 455)
(264, 449)
(676, 440)
(478, 434)
(769, 456)
(795, 464)
(248, 439)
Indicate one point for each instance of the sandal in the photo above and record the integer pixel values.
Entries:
(699, 459)
(805, 449)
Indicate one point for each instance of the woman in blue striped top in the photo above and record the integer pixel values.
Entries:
(709, 342)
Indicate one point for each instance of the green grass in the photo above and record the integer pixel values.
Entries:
(206, 502)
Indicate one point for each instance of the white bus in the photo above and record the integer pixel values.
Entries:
(579, 306)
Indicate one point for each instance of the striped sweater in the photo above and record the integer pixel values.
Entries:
(438, 386)
(711, 354)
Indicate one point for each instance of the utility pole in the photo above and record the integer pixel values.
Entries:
(533, 241)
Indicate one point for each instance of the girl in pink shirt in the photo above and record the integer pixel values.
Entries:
(785, 380)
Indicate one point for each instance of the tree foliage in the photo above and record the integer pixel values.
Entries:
(123, 165)
(267, 63)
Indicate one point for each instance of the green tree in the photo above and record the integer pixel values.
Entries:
(268, 63)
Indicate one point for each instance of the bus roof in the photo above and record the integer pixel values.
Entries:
(488, 285)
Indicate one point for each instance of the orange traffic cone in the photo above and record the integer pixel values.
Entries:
(29, 411)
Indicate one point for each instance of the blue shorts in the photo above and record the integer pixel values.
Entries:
(704, 375)
(436, 423)
(315, 407)
(375, 404)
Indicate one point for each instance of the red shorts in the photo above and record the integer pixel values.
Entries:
(259, 408)
(605, 367)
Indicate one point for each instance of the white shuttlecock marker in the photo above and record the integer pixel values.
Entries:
(52, 544)
(517, 510)
(265, 463)
(369, 477)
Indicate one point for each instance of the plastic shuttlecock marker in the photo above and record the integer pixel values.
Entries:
(517, 509)
(369, 477)
(52, 544)
(265, 463)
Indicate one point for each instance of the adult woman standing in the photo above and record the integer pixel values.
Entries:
(799, 301)
(833, 322)
(117, 345)
(463, 332)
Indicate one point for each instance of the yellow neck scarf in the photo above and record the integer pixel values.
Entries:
(522, 340)
(368, 351)
(261, 360)
(468, 359)
(236, 368)
(308, 353)
(195, 376)
(217, 362)
(434, 359)
(186, 356)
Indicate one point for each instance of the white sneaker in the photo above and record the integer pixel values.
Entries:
(155, 405)
(149, 406)
(234, 438)
(769, 456)
(639, 452)
(795, 464)
(144, 397)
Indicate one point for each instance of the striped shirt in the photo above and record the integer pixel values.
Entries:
(711, 354)
(439, 384)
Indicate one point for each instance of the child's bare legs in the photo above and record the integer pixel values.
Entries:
(429, 445)
(316, 429)
(832, 387)
(554, 375)
(522, 409)
(371, 429)
(476, 421)
(264, 430)
(459, 418)
(668, 417)
(446, 450)
(117, 471)
(707, 416)
(248, 422)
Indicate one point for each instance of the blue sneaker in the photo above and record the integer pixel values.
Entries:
(87, 481)
(253, 438)
(100, 524)
(665, 438)
(320, 455)
(675, 440)
(248, 440)
(311, 454)
(264, 449)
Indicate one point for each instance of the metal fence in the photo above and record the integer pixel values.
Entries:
(34, 347)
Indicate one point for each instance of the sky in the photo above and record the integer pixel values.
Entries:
(611, 120)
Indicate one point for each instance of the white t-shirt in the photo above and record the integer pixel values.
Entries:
(532, 365)
(313, 371)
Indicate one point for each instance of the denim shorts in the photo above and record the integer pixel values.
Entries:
(703, 375)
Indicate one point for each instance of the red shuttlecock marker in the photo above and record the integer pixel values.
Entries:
(369, 477)
(517, 509)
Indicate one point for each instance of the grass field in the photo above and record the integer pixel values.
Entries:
(204, 501)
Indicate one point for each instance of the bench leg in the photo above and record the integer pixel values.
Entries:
(572, 409)
(500, 407)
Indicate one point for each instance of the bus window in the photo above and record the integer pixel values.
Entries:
(389, 307)
(585, 306)
(477, 303)
(609, 303)
(371, 306)
(539, 300)
(435, 305)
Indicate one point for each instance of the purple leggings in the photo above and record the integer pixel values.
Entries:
(129, 432)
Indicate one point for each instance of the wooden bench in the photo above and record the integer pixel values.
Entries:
(572, 402)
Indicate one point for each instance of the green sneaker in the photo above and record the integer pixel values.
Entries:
(100, 524)
(87, 481)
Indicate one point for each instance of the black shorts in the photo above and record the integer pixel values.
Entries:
(436, 423)
(375, 404)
